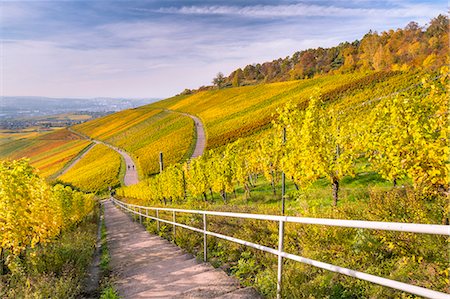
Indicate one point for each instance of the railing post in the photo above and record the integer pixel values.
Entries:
(280, 258)
(205, 244)
(157, 220)
(174, 226)
(140, 215)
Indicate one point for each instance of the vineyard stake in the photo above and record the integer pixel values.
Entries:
(283, 179)
(157, 221)
(161, 162)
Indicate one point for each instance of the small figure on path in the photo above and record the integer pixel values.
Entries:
(128, 167)
(133, 167)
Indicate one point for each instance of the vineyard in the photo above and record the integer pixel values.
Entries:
(384, 141)
(96, 171)
(48, 152)
(233, 113)
(324, 142)
(144, 133)
(359, 131)
(37, 220)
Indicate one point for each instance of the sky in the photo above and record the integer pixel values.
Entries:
(157, 48)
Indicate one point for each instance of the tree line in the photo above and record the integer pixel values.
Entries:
(402, 49)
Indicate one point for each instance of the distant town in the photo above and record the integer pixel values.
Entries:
(23, 112)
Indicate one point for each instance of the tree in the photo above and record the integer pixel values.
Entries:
(237, 78)
(219, 80)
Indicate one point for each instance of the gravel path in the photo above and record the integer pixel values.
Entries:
(147, 266)
(131, 176)
(201, 137)
(200, 144)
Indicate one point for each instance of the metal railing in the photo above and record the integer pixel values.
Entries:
(143, 211)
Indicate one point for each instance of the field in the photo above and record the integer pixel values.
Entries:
(145, 132)
(96, 171)
(11, 135)
(48, 152)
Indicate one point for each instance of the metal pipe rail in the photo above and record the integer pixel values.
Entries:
(389, 226)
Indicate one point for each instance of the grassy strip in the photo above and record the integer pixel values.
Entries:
(69, 163)
(53, 270)
(122, 171)
(107, 289)
(191, 149)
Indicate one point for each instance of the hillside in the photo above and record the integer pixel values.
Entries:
(49, 152)
(355, 132)
(237, 112)
(144, 132)
(346, 75)
(229, 114)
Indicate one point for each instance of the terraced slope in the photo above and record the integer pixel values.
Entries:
(144, 132)
(96, 171)
(48, 152)
(237, 112)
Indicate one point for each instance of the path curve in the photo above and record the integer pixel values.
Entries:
(131, 176)
(148, 266)
(200, 144)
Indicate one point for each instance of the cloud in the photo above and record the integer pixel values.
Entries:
(136, 49)
(303, 10)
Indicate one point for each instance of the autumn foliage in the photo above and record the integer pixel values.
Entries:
(33, 212)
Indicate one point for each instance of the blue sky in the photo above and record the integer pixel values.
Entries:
(157, 48)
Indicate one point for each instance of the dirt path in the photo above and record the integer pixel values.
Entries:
(147, 266)
(131, 176)
(200, 144)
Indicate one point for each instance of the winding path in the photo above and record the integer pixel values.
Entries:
(131, 175)
(201, 136)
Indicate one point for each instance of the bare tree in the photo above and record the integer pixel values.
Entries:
(219, 80)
